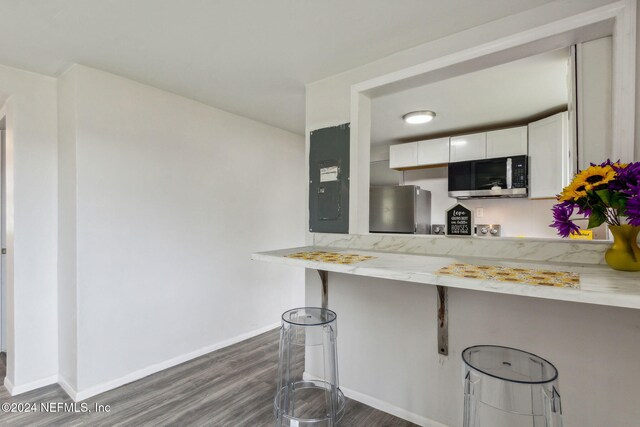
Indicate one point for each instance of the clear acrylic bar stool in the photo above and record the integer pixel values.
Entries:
(505, 387)
(305, 399)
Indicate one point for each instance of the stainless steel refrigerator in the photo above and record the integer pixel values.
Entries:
(399, 209)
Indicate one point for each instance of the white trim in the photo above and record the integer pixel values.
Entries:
(360, 162)
(14, 390)
(73, 394)
(78, 396)
(390, 409)
(383, 406)
(613, 10)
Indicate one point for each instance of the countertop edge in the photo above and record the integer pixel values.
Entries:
(611, 299)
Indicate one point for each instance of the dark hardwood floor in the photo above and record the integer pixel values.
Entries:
(233, 386)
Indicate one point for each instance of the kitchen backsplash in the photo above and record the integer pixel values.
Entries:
(553, 251)
(517, 217)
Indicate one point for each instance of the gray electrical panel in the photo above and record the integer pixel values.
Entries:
(329, 180)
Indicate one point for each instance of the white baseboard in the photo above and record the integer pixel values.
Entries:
(385, 406)
(73, 394)
(78, 396)
(390, 409)
(23, 388)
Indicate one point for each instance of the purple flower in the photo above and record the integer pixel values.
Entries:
(561, 214)
(607, 163)
(626, 179)
(632, 209)
(584, 211)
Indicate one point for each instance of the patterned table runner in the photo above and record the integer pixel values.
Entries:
(562, 279)
(332, 257)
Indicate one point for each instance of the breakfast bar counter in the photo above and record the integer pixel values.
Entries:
(598, 284)
(398, 334)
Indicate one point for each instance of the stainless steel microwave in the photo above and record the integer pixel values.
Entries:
(489, 178)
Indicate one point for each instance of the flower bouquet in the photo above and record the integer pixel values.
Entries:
(609, 192)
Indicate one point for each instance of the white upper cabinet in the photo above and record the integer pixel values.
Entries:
(403, 155)
(468, 147)
(507, 142)
(433, 152)
(548, 156)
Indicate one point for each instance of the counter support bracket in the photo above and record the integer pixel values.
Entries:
(443, 322)
(324, 277)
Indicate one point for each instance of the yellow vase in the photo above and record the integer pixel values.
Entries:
(624, 253)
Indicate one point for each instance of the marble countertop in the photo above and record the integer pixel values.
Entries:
(598, 283)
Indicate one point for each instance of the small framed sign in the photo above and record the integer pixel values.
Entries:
(459, 221)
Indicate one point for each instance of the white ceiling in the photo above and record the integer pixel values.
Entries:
(250, 57)
(503, 94)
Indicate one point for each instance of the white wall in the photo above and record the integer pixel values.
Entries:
(172, 196)
(32, 335)
(379, 153)
(387, 329)
(380, 173)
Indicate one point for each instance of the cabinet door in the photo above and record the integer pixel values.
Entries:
(468, 147)
(507, 142)
(433, 152)
(403, 155)
(548, 156)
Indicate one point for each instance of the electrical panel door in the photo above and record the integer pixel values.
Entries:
(329, 180)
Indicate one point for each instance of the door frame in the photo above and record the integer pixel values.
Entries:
(3, 204)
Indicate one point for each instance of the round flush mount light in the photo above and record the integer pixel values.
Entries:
(418, 117)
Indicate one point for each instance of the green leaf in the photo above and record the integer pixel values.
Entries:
(619, 201)
(605, 196)
(596, 218)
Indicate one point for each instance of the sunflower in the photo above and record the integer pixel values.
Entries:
(594, 176)
(571, 193)
(587, 180)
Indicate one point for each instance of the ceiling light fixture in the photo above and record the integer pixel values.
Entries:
(418, 117)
